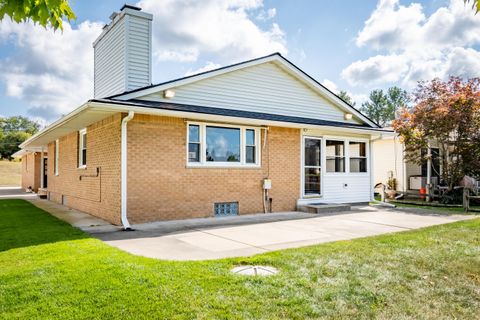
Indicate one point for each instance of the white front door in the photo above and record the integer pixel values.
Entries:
(312, 166)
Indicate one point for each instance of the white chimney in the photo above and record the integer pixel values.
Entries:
(123, 53)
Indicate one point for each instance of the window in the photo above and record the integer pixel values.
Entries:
(55, 159)
(193, 143)
(250, 146)
(358, 156)
(82, 148)
(335, 156)
(222, 145)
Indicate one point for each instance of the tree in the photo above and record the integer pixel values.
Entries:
(475, 5)
(44, 12)
(382, 107)
(346, 97)
(19, 123)
(447, 115)
(13, 131)
(10, 142)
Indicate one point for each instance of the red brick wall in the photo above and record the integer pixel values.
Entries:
(160, 187)
(99, 196)
(31, 171)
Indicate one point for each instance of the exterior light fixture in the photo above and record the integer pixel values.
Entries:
(348, 116)
(168, 94)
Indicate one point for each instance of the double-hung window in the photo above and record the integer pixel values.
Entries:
(82, 148)
(335, 156)
(358, 156)
(194, 143)
(222, 145)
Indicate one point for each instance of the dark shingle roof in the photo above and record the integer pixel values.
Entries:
(232, 113)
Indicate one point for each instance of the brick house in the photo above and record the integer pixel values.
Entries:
(252, 137)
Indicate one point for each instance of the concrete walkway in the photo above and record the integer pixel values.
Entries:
(76, 218)
(15, 193)
(213, 238)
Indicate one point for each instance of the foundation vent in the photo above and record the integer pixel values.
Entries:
(221, 209)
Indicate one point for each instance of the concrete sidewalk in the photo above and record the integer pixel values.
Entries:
(16, 193)
(200, 242)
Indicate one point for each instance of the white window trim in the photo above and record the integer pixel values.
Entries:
(57, 152)
(80, 144)
(203, 143)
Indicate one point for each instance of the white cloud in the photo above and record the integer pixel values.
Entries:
(182, 30)
(416, 47)
(267, 15)
(330, 85)
(53, 72)
(207, 67)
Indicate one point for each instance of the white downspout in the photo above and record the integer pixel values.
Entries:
(124, 154)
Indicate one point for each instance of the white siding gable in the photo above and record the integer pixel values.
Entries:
(266, 88)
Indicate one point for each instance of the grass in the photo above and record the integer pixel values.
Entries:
(10, 173)
(49, 269)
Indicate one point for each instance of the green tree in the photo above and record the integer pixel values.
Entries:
(13, 131)
(382, 106)
(346, 97)
(19, 123)
(475, 5)
(10, 142)
(44, 12)
(447, 114)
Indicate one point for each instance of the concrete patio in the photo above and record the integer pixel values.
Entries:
(214, 238)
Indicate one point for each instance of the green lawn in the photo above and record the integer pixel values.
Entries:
(10, 173)
(51, 270)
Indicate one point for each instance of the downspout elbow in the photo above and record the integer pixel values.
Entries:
(124, 169)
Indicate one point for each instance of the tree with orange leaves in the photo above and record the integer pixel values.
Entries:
(445, 114)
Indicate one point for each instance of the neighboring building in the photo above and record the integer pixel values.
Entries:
(226, 141)
(389, 160)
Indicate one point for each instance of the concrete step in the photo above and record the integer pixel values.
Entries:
(320, 208)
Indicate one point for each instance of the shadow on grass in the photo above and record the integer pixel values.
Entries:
(23, 225)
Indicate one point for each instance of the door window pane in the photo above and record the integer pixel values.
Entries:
(223, 144)
(312, 181)
(312, 152)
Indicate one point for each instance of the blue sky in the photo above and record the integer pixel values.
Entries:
(349, 45)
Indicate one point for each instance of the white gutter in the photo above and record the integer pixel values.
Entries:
(124, 154)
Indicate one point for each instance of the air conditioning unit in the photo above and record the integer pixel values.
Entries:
(417, 182)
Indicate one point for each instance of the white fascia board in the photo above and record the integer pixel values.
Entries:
(54, 125)
(230, 119)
